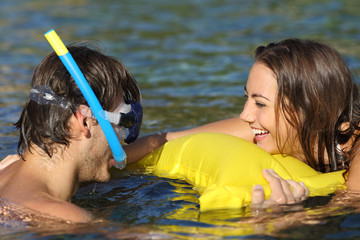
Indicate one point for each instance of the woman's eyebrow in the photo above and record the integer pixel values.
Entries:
(259, 96)
(254, 95)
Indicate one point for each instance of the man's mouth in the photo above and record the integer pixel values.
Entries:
(112, 163)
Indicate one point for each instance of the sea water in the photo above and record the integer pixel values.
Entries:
(191, 59)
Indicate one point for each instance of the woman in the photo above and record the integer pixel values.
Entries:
(314, 101)
(302, 101)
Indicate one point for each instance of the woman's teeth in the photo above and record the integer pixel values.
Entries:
(258, 132)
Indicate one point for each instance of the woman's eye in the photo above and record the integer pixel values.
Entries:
(259, 104)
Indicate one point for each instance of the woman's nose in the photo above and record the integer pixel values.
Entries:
(247, 115)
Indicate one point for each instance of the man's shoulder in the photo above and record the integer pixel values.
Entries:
(62, 209)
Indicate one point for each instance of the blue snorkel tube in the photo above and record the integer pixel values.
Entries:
(74, 70)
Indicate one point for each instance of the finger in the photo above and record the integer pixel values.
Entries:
(285, 187)
(277, 193)
(257, 195)
(299, 191)
(288, 192)
(307, 191)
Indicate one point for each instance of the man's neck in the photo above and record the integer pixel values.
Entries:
(56, 176)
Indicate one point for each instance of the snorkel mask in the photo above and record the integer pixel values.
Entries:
(127, 117)
(129, 120)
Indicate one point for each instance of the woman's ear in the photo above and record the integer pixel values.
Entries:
(345, 126)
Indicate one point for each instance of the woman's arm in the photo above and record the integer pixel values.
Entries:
(232, 126)
(353, 179)
(144, 145)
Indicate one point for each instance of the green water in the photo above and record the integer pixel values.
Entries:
(191, 59)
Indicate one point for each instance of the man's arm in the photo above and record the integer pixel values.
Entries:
(8, 160)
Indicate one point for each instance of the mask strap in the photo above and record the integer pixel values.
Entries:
(44, 95)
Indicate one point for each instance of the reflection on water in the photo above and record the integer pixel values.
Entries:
(191, 59)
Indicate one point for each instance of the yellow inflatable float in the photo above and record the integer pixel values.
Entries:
(224, 169)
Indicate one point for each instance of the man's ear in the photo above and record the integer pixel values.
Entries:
(82, 120)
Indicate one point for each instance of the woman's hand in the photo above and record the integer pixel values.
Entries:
(143, 146)
(281, 192)
(8, 160)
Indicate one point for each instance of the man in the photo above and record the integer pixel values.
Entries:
(61, 144)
